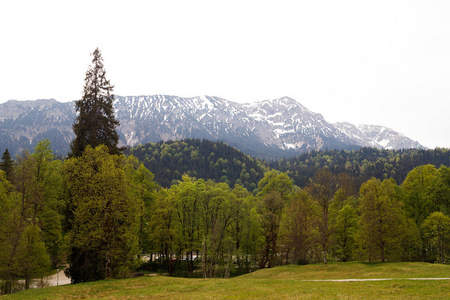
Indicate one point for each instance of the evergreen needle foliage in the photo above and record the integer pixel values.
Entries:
(95, 123)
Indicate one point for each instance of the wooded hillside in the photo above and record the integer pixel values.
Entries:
(206, 159)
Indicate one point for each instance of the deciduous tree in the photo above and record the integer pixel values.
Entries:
(383, 225)
(188, 207)
(436, 229)
(106, 216)
(297, 225)
(345, 228)
(322, 188)
(417, 187)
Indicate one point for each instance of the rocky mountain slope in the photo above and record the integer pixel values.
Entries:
(377, 136)
(279, 127)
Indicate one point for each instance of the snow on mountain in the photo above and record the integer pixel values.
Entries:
(278, 127)
(280, 124)
(377, 136)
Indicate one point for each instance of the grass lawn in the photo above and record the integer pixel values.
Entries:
(287, 282)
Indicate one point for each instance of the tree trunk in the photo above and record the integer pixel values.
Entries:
(107, 265)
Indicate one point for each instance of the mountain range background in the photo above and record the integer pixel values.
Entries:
(266, 129)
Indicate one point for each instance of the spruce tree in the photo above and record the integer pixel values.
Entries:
(95, 123)
(7, 164)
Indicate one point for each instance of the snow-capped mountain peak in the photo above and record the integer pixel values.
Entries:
(264, 128)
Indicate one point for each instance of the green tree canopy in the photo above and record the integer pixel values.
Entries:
(383, 223)
(436, 229)
(417, 187)
(106, 216)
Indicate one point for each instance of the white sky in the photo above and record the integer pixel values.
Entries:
(365, 62)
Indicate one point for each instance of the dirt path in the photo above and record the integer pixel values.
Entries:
(58, 279)
(62, 279)
(376, 279)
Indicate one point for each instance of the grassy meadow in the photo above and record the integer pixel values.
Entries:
(286, 282)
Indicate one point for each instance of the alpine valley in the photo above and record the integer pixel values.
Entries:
(271, 128)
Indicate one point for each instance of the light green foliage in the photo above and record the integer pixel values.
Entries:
(49, 186)
(297, 225)
(11, 230)
(440, 190)
(436, 232)
(5, 188)
(275, 189)
(25, 185)
(162, 227)
(32, 222)
(270, 208)
(216, 218)
(244, 226)
(188, 205)
(275, 181)
(417, 187)
(345, 227)
(427, 190)
(204, 219)
(323, 187)
(383, 223)
(32, 260)
(143, 187)
(23, 253)
(106, 214)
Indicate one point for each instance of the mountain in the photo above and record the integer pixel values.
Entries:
(377, 136)
(271, 128)
(24, 123)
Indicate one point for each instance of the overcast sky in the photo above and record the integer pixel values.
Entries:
(364, 62)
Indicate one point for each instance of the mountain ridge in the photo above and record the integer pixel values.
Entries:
(269, 128)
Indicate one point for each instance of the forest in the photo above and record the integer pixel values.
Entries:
(217, 161)
(111, 208)
(206, 159)
(362, 164)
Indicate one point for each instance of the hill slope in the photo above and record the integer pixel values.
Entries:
(291, 282)
(199, 158)
(361, 164)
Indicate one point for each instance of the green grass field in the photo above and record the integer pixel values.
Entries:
(286, 282)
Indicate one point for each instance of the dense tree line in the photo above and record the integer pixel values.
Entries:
(31, 206)
(362, 164)
(209, 229)
(200, 159)
(222, 163)
(110, 207)
(85, 211)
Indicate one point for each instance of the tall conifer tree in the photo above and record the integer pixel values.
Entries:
(95, 123)
(7, 164)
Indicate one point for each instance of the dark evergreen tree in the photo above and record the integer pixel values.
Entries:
(95, 123)
(7, 164)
